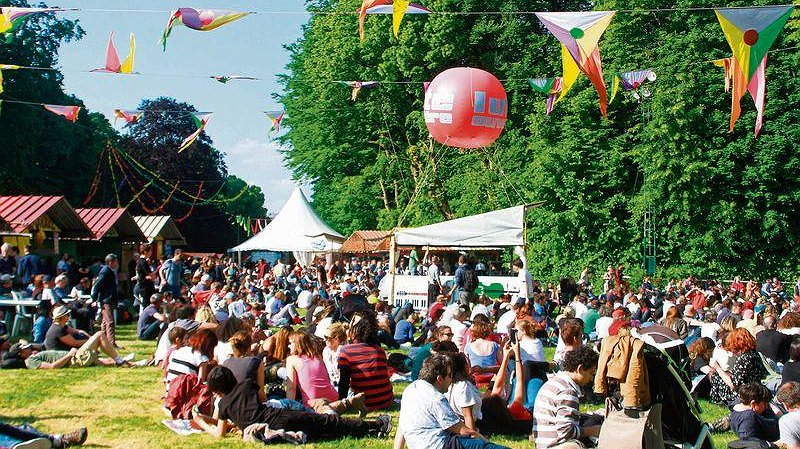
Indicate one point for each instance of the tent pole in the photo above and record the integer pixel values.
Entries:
(392, 265)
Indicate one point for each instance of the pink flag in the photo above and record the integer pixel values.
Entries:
(68, 112)
(757, 88)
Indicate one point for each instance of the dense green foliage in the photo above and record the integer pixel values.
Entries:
(41, 152)
(723, 203)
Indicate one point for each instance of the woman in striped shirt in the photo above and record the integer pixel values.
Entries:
(363, 365)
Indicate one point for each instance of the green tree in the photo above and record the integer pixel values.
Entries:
(723, 203)
(42, 153)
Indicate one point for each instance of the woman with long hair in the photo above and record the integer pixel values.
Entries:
(674, 320)
(483, 354)
(747, 368)
(531, 348)
(700, 352)
(195, 357)
(306, 373)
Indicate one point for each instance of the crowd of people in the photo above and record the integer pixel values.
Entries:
(285, 352)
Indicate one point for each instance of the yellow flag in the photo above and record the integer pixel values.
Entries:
(398, 11)
(571, 72)
(127, 65)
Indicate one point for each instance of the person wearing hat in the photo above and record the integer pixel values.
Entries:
(6, 284)
(151, 320)
(61, 337)
(204, 284)
(106, 292)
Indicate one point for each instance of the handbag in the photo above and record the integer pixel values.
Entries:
(630, 428)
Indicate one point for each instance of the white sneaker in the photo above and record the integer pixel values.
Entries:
(36, 443)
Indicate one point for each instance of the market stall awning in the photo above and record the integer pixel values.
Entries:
(366, 242)
(27, 213)
(502, 227)
(154, 226)
(116, 222)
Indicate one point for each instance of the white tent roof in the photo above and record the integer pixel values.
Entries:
(295, 228)
(502, 227)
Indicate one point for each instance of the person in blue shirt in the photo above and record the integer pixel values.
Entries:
(62, 266)
(42, 323)
(404, 331)
(29, 266)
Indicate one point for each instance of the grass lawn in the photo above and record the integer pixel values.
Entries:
(121, 407)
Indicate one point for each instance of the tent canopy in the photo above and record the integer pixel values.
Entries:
(367, 242)
(296, 228)
(502, 227)
(154, 226)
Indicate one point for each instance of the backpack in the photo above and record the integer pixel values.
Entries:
(470, 280)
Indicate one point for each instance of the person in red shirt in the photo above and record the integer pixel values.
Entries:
(363, 365)
(437, 309)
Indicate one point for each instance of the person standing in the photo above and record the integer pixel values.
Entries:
(434, 283)
(106, 293)
(524, 280)
(413, 261)
(171, 272)
(29, 266)
(144, 288)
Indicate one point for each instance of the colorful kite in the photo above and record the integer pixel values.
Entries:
(68, 112)
(397, 8)
(275, 117)
(224, 79)
(199, 19)
(579, 34)
(200, 120)
(750, 32)
(549, 86)
(6, 67)
(130, 116)
(112, 57)
(631, 81)
(358, 85)
(12, 17)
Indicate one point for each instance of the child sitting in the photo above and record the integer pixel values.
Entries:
(752, 418)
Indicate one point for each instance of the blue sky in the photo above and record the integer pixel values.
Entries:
(251, 46)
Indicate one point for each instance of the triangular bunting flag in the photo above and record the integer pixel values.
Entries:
(358, 85)
(127, 115)
(12, 17)
(548, 86)
(275, 118)
(68, 112)
(579, 34)
(199, 19)
(750, 32)
(200, 120)
(397, 8)
(112, 57)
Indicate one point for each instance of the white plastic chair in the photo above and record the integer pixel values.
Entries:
(21, 317)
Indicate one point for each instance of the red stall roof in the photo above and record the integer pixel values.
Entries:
(21, 211)
(100, 221)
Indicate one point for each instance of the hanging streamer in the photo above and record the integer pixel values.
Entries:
(199, 19)
(70, 113)
(200, 120)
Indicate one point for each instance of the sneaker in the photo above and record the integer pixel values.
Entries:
(74, 438)
(721, 425)
(36, 443)
(385, 429)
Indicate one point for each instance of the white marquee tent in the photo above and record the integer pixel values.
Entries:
(497, 228)
(296, 228)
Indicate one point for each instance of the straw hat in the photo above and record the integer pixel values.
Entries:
(60, 311)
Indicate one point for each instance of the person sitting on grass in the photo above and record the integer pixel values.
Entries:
(61, 339)
(557, 420)
(752, 419)
(490, 414)
(404, 331)
(789, 424)
(151, 321)
(240, 403)
(26, 437)
(363, 366)
(427, 420)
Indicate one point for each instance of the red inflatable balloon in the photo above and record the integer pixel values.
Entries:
(465, 108)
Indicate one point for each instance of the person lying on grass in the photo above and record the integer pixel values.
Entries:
(61, 339)
(240, 403)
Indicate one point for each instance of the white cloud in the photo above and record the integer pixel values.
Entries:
(261, 164)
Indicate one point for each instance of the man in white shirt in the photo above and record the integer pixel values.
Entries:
(603, 323)
(789, 424)
(426, 419)
(434, 283)
(524, 281)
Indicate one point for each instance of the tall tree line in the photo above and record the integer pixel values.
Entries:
(723, 203)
